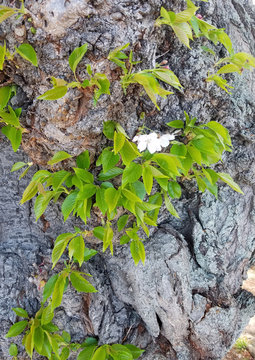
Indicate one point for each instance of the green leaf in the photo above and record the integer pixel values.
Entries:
(122, 221)
(228, 180)
(83, 160)
(17, 166)
(81, 284)
(179, 150)
(20, 312)
(221, 130)
(58, 178)
(170, 206)
(137, 251)
(13, 350)
(14, 135)
(17, 328)
(107, 240)
(109, 160)
(84, 175)
(119, 140)
(138, 188)
(47, 315)
(59, 247)
(89, 253)
(100, 201)
(58, 291)
(177, 124)
(147, 179)
(109, 128)
(39, 338)
(110, 174)
(100, 354)
(6, 12)
(195, 154)
(135, 351)
(28, 53)
(10, 118)
(59, 156)
(49, 287)
(5, 94)
(2, 58)
(30, 191)
(98, 232)
(69, 204)
(130, 196)
(103, 84)
(124, 239)
(54, 94)
(76, 56)
(129, 152)
(86, 192)
(76, 249)
(87, 353)
(111, 198)
(41, 203)
(132, 173)
(174, 190)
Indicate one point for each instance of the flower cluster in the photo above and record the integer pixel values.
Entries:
(152, 142)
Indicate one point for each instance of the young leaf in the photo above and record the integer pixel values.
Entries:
(137, 251)
(47, 315)
(107, 240)
(5, 95)
(29, 192)
(108, 129)
(119, 140)
(59, 247)
(13, 350)
(81, 284)
(17, 328)
(58, 291)
(17, 166)
(20, 312)
(122, 222)
(174, 190)
(69, 204)
(228, 180)
(14, 135)
(135, 351)
(87, 353)
(76, 56)
(110, 174)
(170, 206)
(177, 124)
(59, 156)
(54, 94)
(109, 160)
(147, 179)
(89, 253)
(39, 338)
(132, 173)
(28, 53)
(76, 249)
(83, 160)
(100, 354)
(2, 57)
(129, 152)
(49, 287)
(6, 12)
(41, 202)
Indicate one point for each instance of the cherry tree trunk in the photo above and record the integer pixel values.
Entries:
(186, 302)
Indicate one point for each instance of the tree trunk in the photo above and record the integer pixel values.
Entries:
(186, 302)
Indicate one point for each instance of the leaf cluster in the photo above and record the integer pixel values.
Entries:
(98, 81)
(147, 78)
(129, 182)
(12, 129)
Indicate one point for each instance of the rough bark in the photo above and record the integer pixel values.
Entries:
(186, 302)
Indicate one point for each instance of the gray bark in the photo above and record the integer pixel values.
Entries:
(187, 301)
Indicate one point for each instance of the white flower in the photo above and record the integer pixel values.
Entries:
(152, 142)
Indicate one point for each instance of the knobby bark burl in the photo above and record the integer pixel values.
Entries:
(186, 302)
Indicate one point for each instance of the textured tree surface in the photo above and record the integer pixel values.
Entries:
(186, 302)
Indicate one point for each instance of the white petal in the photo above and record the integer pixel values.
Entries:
(154, 146)
(142, 145)
(152, 136)
(136, 138)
